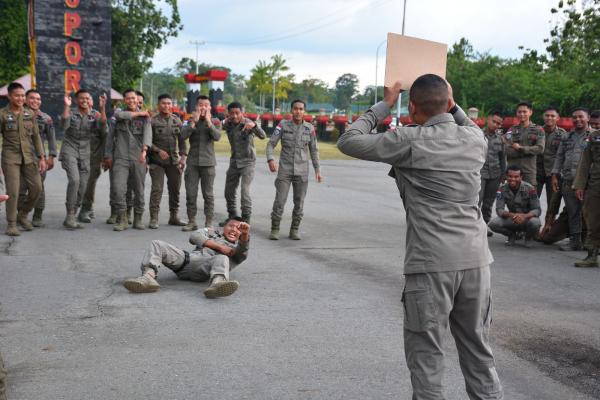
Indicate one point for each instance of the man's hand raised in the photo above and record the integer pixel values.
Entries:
(391, 94)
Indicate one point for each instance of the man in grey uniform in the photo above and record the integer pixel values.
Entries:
(240, 132)
(564, 172)
(297, 137)
(523, 206)
(203, 131)
(127, 158)
(167, 157)
(524, 142)
(97, 146)
(545, 161)
(3, 197)
(79, 127)
(436, 165)
(495, 166)
(214, 256)
(33, 100)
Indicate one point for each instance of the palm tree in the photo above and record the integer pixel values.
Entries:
(260, 80)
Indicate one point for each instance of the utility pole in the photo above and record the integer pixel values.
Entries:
(377, 67)
(400, 97)
(274, 82)
(197, 43)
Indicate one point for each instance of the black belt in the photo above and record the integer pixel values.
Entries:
(186, 261)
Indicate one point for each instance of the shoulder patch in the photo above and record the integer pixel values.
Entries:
(498, 194)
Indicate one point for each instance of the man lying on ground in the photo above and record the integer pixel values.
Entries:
(212, 259)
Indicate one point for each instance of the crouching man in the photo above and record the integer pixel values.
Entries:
(212, 259)
(523, 208)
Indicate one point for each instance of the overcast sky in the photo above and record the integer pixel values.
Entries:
(327, 38)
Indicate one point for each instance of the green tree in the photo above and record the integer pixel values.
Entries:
(346, 87)
(311, 90)
(260, 81)
(13, 41)
(574, 50)
(139, 28)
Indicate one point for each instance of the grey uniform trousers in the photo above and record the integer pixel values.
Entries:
(125, 173)
(112, 192)
(507, 227)
(232, 181)
(157, 174)
(41, 203)
(13, 173)
(206, 177)
(461, 299)
(545, 181)
(282, 185)
(78, 172)
(574, 208)
(2, 380)
(200, 268)
(487, 196)
(90, 189)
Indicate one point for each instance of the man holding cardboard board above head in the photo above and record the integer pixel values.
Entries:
(436, 165)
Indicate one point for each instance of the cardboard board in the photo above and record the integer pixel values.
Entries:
(408, 58)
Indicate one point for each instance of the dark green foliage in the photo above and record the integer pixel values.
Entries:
(13, 40)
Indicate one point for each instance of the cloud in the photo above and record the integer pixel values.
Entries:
(326, 39)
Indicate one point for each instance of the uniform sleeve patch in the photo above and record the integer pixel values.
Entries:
(498, 195)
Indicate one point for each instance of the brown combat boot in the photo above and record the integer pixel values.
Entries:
(274, 235)
(122, 223)
(294, 230)
(23, 221)
(153, 220)
(113, 217)
(192, 225)
(137, 221)
(12, 230)
(70, 220)
(591, 261)
(174, 219)
(220, 287)
(84, 216)
(37, 218)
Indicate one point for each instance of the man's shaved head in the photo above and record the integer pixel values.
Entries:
(429, 93)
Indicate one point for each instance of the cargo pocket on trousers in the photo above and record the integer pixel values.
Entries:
(419, 310)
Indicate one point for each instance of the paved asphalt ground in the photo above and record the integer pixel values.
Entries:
(316, 319)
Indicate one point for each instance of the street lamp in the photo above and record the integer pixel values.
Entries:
(400, 97)
(377, 67)
(274, 82)
(197, 43)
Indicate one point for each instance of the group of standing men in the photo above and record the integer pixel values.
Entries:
(134, 142)
(526, 158)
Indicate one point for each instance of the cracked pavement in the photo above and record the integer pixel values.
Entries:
(316, 319)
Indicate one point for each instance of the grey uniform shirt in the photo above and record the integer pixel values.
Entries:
(545, 162)
(199, 237)
(47, 133)
(530, 138)
(167, 136)
(79, 129)
(495, 162)
(569, 154)
(523, 200)
(202, 142)
(243, 152)
(437, 170)
(296, 141)
(128, 136)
